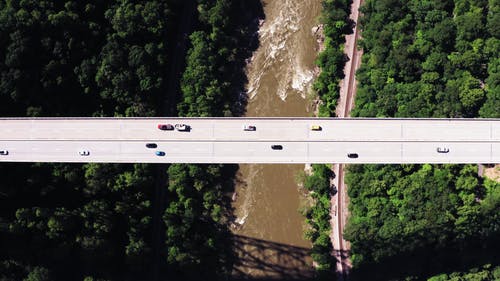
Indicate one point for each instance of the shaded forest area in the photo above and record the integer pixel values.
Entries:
(487, 272)
(414, 222)
(95, 221)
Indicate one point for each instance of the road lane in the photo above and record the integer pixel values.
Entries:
(250, 152)
(223, 129)
(447, 131)
(221, 140)
(424, 152)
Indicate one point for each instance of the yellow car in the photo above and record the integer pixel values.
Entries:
(316, 127)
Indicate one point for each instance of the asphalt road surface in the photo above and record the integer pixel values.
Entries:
(223, 140)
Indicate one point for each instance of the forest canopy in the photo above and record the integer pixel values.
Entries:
(425, 59)
(114, 58)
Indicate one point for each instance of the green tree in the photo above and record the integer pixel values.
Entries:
(38, 274)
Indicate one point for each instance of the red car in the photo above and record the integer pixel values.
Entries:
(165, 126)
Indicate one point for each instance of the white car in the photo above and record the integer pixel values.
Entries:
(84, 152)
(4, 152)
(182, 127)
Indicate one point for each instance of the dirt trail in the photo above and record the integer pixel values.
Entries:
(340, 201)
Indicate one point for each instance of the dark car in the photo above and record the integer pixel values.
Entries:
(442, 150)
(166, 127)
(160, 153)
(151, 145)
(4, 152)
(277, 147)
(249, 128)
(352, 155)
(84, 152)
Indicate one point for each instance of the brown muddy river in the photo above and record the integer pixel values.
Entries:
(269, 235)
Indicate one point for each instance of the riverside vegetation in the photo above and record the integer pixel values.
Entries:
(93, 58)
(418, 222)
(336, 24)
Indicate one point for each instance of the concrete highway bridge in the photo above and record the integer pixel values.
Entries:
(249, 140)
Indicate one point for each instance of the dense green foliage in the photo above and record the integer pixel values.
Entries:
(196, 239)
(429, 59)
(74, 59)
(425, 59)
(336, 24)
(67, 58)
(214, 77)
(75, 220)
(318, 218)
(95, 221)
(426, 214)
(486, 273)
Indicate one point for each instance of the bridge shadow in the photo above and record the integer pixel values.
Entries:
(258, 259)
(262, 260)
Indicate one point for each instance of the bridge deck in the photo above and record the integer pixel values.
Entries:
(223, 140)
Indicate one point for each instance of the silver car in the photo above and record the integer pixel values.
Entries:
(182, 127)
